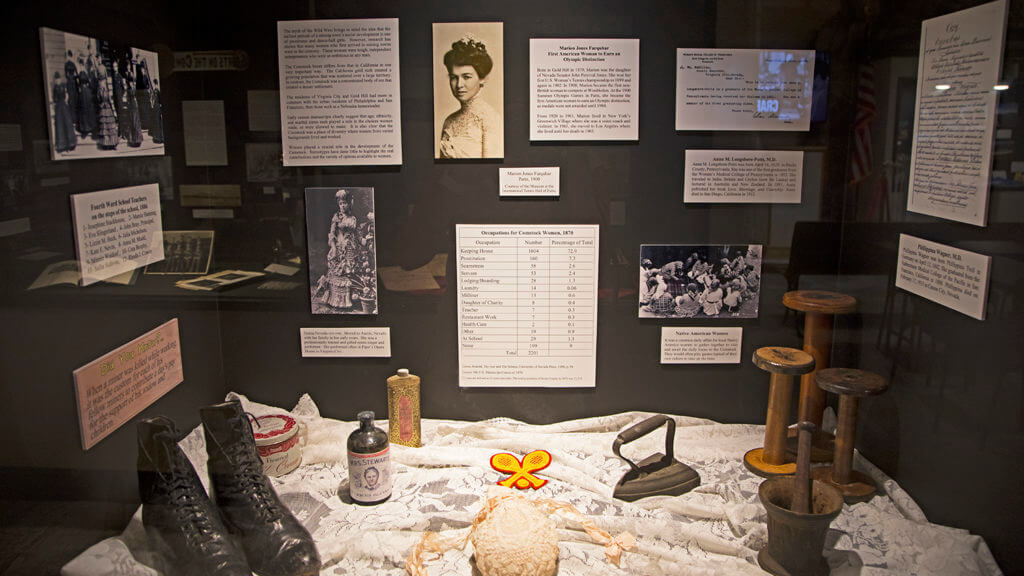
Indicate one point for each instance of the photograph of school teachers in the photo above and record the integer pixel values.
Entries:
(690, 281)
(342, 250)
(103, 99)
(469, 106)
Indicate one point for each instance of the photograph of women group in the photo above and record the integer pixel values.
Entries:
(689, 281)
(342, 250)
(103, 98)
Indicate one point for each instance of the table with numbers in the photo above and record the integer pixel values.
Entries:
(527, 305)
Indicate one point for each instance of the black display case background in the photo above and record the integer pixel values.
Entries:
(955, 446)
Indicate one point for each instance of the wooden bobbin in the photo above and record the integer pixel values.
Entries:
(851, 385)
(819, 308)
(782, 363)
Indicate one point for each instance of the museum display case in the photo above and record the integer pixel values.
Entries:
(563, 218)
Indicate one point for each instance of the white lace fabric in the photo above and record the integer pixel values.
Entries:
(716, 529)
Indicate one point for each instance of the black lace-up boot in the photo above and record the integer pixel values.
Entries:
(273, 540)
(181, 522)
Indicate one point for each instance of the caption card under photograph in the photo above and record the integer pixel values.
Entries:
(340, 94)
(955, 278)
(743, 89)
(584, 89)
(469, 87)
(368, 342)
(117, 386)
(691, 345)
(102, 98)
(528, 181)
(697, 281)
(342, 250)
(740, 176)
(117, 230)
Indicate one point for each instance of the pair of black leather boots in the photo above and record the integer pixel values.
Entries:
(189, 531)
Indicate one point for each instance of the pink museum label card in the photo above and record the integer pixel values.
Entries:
(114, 388)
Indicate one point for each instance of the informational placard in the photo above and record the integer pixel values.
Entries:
(725, 89)
(686, 345)
(765, 176)
(10, 138)
(372, 342)
(264, 110)
(584, 89)
(206, 142)
(955, 278)
(211, 61)
(527, 300)
(340, 97)
(210, 195)
(959, 64)
(528, 181)
(117, 230)
(114, 388)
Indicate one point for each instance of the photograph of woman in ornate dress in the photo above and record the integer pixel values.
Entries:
(342, 250)
(468, 67)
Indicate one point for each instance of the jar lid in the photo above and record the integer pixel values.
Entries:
(403, 372)
(273, 428)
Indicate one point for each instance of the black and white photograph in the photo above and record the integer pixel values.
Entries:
(469, 106)
(263, 162)
(342, 250)
(103, 98)
(695, 281)
(185, 252)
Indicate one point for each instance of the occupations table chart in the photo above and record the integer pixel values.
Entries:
(527, 305)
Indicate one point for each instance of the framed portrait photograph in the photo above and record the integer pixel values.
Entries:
(469, 104)
(700, 281)
(342, 250)
(102, 98)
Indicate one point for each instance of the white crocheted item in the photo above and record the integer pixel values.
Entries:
(516, 539)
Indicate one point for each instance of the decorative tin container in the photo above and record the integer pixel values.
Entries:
(404, 409)
(277, 442)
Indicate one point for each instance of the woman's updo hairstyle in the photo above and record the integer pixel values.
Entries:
(469, 52)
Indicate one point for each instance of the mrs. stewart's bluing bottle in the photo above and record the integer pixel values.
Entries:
(369, 463)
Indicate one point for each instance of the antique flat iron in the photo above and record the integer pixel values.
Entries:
(658, 474)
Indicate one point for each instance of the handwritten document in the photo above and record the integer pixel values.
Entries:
(959, 63)
(720, 89)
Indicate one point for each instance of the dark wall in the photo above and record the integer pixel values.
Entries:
(952, 417)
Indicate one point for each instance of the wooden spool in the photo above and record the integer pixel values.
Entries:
(819, 308)
(851, 385)
(782, 363)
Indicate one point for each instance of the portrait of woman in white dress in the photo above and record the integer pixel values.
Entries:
(476, 128)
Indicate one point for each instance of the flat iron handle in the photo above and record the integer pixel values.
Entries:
(642, 429)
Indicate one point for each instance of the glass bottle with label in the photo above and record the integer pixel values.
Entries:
(369, 462)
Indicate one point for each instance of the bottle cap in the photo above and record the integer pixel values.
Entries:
(366, 416)
(403, 372)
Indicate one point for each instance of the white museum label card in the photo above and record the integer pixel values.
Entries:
(768, 176)
(117, 230)
(117, 386)
(584, 89)
(527, 300)
(528, 181)
(955, 278)
(724, 89)
(340, 97)
(369, 342)
(264, 110)
(206, 142)
(686, 345)
(958, 65)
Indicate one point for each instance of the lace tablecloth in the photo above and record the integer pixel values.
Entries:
(715, 529)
